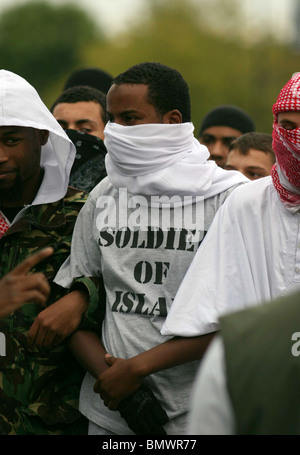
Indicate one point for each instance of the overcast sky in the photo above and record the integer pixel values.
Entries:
(116, 15)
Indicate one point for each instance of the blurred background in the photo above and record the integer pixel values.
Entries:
(237, 52)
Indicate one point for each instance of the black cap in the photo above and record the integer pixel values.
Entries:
(231, 116)
(93, 77)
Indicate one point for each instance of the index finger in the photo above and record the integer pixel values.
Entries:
(31, 261)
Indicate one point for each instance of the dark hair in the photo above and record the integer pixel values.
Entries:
(253, 140)
(93, 77)
(83, 93)
(167, 90)
(227, 115)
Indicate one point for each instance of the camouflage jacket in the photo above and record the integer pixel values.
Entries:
(39, 391)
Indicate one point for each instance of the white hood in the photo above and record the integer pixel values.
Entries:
(20, 105)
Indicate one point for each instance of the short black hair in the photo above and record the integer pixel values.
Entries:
(83, 93)
(167, 90)
(254, 140)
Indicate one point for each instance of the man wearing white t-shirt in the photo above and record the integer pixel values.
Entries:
(139, 231)
(252, 251)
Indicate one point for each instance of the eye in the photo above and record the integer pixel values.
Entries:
(287, 125)
(207, 140)
(12, 141)
(254, 175)
(129, 119)
(227, 141)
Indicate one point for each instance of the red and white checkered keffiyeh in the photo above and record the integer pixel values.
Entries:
(4, 226)
(286, 145)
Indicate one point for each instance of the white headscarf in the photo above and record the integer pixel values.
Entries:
(20, 105)
(163, 159)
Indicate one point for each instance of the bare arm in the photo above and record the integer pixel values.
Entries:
(125, 376)
(141, 411)
(87, 348)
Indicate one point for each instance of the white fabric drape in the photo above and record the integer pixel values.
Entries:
(163, 159)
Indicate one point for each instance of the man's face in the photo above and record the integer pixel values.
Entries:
(84, 116)
(255, 165)
(218, 139)
(289, 120)
(20, 150)
(128, 105)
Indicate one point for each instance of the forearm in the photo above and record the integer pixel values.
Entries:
(173, 352)
(87, 348)
(125, 376)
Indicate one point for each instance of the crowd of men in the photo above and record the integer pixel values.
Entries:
(127, 241)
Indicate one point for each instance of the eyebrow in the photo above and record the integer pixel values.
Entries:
(216, 136)
(85, 120)
(255, 168)
(78, 122)
(9, 131)
(287, 122)
(122, 113)
(252, 168)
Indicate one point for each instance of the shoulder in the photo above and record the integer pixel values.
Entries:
(251, 195)
(253, 189)
(220, 198)
(281, 312)
(74, 200)
(75, 197)
(104, 188)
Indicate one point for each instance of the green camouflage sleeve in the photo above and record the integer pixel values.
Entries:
(94, 315)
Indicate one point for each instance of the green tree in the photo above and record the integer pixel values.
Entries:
(40, 42)
(219, 68)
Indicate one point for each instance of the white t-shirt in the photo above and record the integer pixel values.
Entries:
(142, 270)
(211, 409)
(250, 255)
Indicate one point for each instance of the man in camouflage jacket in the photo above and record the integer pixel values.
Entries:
(39, 389)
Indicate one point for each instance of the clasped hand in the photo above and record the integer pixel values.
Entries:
(54, 324)
(117, 382)
(120, 387)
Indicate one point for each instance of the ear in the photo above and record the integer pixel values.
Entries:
(173, 116)
(44, 136)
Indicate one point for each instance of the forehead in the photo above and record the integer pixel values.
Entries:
(81, 109)
(221, 131)
(289, 116)
(127, 96)
(254, 157)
